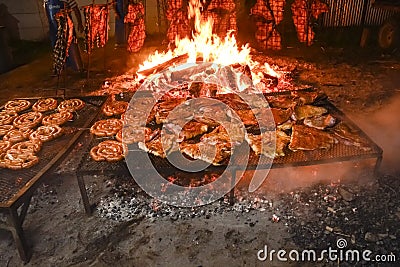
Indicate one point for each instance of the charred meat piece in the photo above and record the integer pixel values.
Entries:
(281, 115)
(247, 117)
(233, 133)
(255, 101)
(181, 114)
(161, 145)
(138, 118)
(350, 136)
(282, 139)
(132, 135)
(281, 101)
(209, 112)
(307, 98)
(164, 108)
(192, 129)
(264, 118)
(307, 111)
(262, 144)
(218, 135)
(320, 122)
(307, 138)
(215, 154)
(154, 147)
(214, 147)
(285, 126)
(139, 109)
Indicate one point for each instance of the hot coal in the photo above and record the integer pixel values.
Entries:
(127, 201)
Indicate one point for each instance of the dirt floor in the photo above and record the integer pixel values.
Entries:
(308, 213)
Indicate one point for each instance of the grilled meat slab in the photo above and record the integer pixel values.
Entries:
(320, 122)
(281, 115)
(308, 111)
(262, 144)
(350, 136)
(307, 138)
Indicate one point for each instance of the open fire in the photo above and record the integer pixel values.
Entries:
(207, 46)
(305, 128)
(302, 122)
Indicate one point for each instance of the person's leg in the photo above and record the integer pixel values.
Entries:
(120, 35)
(53, 35)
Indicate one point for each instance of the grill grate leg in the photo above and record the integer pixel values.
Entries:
(232, 192)
(15, 222)
(85, 198)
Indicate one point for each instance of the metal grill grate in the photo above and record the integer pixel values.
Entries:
(13, 183)
(339, 152)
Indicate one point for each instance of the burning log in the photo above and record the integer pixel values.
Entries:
(245, 69)
(200, 89)
(164, 65)
(193, 73)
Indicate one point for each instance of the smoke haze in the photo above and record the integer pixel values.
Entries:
(383, 127)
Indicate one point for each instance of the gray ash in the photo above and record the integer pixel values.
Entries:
(367, 216)
(126, 201)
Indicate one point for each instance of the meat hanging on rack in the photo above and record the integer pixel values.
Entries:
(268, 14)
(223, 13)
(65, 37)
(96, 26)
(137, 30)
(304, 12)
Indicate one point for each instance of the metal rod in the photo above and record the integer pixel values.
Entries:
(85, 198)
(106, 34)
(89, 49)
(232, 192)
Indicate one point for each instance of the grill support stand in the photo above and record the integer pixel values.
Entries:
(232, 192)
(377, 165)
(14, 225)
(16, 208)
(85, 198)
(376, 153)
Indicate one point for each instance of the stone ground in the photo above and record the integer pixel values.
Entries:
(305, 214)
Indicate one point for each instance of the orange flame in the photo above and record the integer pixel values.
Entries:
(208, 46)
